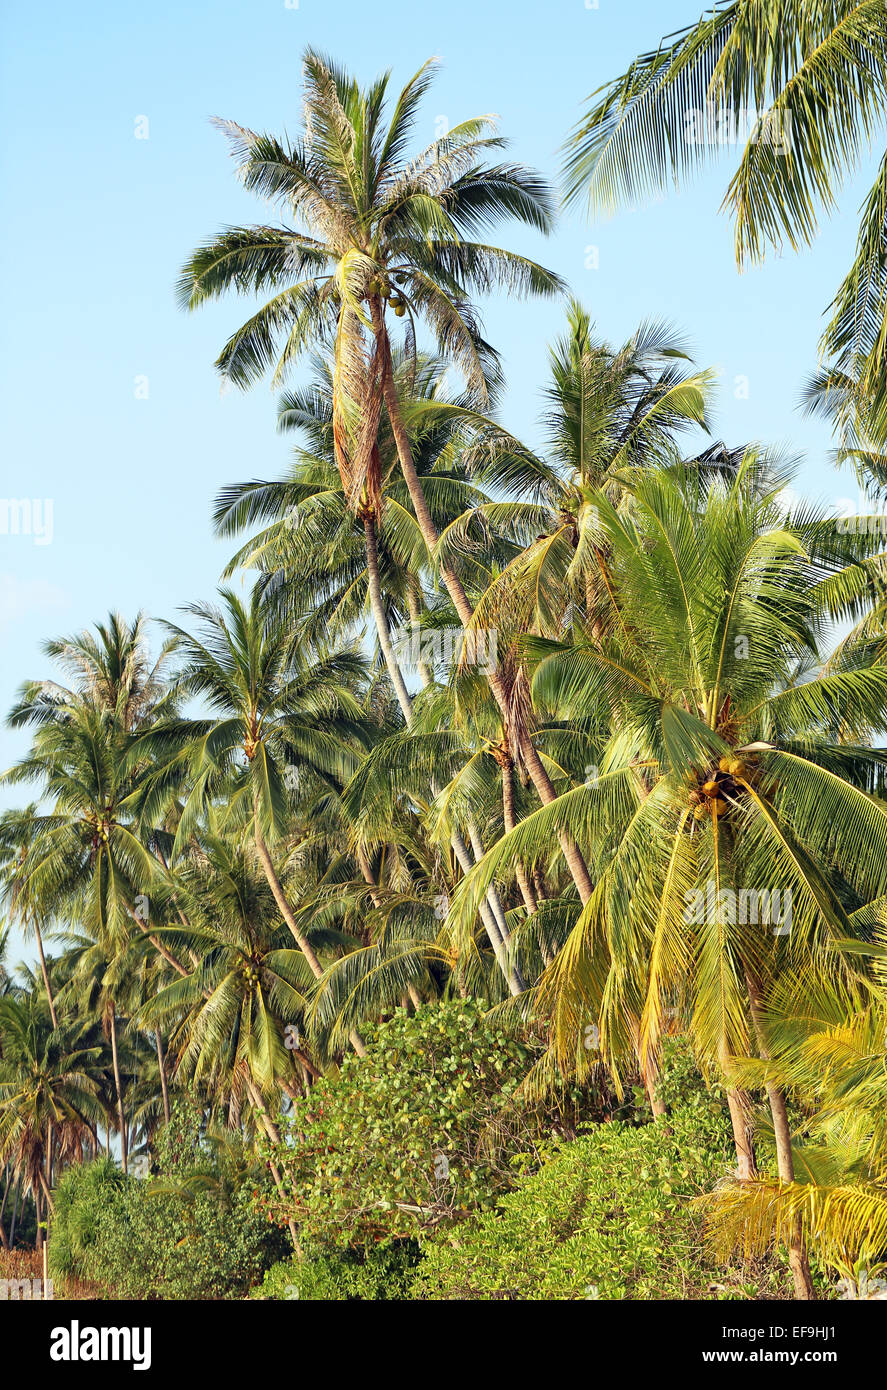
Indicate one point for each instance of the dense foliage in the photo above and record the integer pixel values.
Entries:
(424, 1129)
(193, 1231)
(368, 908)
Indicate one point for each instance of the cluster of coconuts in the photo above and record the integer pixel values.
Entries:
(711, 796)
(250, 975)
(101, 829)
(388, 293)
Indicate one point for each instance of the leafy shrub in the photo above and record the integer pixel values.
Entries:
(181, 1244)
(83, 1192)
(611, 1216)
(418, 1133)
(193, 1232)
(379, 1274)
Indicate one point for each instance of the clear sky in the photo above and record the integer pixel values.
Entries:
(111, 407)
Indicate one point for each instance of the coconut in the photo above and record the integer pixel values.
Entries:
(710, 787)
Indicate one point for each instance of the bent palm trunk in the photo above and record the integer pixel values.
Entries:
(288, 916)
(121, 1118)
(488, 914)
(797, 1249)
(542, 782)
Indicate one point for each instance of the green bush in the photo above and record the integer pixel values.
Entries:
(192, 1232)
(611, 1216)
(83, 1192)
(181, 1244)
(420, 1132)
(376, 1275)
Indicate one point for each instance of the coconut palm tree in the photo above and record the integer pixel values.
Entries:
(50, 1091)
(314, 532)
(230, 1013)
(830, 1056)
(800, 89)
(724, 775)
(386, 234)
(276, 705)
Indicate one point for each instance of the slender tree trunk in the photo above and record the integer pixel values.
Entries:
(494, 928)
(4, 1239)
(161, 1062)
(494, 902)
(510, 822)
(16, 1211)
(273, 1134)
(121, 1118)
(288, 916)
(797, 1249)
(739, 1105)
(380, 617)
(38, 1213)
(541, 780)
(516, 983)
(45, 973)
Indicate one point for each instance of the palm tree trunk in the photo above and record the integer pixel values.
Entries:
(273, 1134)
(738, 1104)
(45, 974)
(288, 916)
(488, 915)
(161, 1062)
(380, 617)
(797, 1249)
(542, 782)
(510, 822)
(4, 1239)
(16, 1211)
(121, 1118)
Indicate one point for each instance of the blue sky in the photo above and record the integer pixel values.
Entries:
(111, 407)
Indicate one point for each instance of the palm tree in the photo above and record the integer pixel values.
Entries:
(50, 1092)
(800, 88)
(723, 773)
(230, 1014)
(14, 839)
(314, 533)
(385, 234)
(276, 705)
(830, 1055)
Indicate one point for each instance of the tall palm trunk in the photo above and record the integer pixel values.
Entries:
(494, 927)
(542, 782)
(4, 1239)
(45, 973)
(17, 1209)
(510, 821)
(121, 1119)
(288, 916)
(273, 1134)
(383, 632)
(797, 1249)
(161, 1063)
